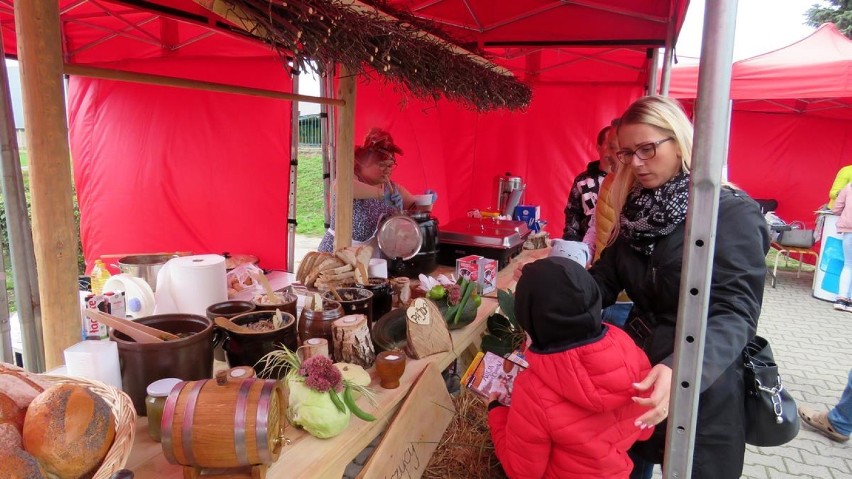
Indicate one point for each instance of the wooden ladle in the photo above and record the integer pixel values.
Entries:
(231, 326)
(137, 331)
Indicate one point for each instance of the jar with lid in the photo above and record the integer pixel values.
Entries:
(158, 392)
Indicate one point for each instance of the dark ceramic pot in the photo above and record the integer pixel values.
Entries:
(246, 349)
(317, 324)
(227, 309)
(382, 297)
(189, 358)
(289, 306)
(354, 301)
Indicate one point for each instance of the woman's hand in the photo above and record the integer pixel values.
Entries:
(392, 197)
(660, 382)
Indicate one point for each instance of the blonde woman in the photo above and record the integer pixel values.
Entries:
(649, 195)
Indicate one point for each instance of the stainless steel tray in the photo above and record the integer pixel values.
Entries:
(484, 232)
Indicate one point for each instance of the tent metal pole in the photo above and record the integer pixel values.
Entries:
(294, 174)
(653, 61)
(20, 242)
(666, 79)
(327, 123)
(55, 236)
(709, 151)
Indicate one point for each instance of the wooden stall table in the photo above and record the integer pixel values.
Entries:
(307, 457)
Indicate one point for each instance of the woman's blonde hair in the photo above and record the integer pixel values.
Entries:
(665, 114)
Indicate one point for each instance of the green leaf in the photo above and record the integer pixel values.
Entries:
(506, 300)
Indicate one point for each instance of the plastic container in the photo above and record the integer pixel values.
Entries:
(158, 391)
(100, 275)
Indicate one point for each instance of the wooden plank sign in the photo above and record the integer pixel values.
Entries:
(415, 432)
(426, 329)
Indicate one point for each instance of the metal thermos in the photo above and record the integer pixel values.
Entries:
(505, 186)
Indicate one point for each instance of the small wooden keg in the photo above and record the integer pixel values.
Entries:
(224, 423)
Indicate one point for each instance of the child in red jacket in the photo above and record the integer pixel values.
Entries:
(572, 413)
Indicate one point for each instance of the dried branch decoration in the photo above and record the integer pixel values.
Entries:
(397, 45)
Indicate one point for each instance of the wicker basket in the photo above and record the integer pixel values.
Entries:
(122, 410)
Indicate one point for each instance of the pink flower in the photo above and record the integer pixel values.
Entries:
(320, 374)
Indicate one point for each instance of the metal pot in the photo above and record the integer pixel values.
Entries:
(145, 266)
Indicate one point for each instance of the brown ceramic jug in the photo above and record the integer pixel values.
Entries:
(317, 324)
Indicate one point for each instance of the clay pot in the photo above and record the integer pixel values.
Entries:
(317, 324)
(227, 309)
(246, 349)
(382, 296)
(189, 358)
(361, 302)
(289, 306)
(389, 367)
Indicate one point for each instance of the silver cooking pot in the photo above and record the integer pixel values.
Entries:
(145, 266)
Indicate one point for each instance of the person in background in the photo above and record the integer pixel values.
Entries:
(835, 424)
(843, 207)
(573, 409)
(650, 194)
(843, 178)
(584, 192)
(373, 192)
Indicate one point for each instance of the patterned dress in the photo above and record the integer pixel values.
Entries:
(365, 219)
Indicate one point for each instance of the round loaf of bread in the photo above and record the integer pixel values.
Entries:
(10, 438)
(69, 429)
(19, 464)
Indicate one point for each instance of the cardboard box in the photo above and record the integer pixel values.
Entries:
(529, 214)
(93, 329)
(482, 271)
(117, 304)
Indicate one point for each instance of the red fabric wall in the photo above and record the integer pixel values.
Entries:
(166, 169)
(792, 158)
(459, 152)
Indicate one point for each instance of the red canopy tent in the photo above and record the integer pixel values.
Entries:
(159, 168)
(792, 115)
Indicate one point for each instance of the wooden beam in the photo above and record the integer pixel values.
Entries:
(134, 77)
(54, 232)
(345, 159)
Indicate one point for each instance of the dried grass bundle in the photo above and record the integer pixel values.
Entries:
(368, 35)
(466, 449)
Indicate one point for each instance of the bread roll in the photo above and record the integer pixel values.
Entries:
(69, 429)
(20, 386)
(10, 437)
(11, 413)
(19, 464)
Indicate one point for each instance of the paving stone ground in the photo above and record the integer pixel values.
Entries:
(813, 347)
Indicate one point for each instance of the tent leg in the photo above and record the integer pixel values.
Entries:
(709, 151)
(294, 174)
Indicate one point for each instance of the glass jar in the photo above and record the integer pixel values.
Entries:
(158, 392)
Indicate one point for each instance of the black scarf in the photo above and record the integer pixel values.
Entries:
(650, 214)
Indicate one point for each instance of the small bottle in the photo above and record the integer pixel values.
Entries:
(100, 275)
(158, 392)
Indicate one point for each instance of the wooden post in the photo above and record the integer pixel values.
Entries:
(345, 159)
(20, 235)
(54, 233)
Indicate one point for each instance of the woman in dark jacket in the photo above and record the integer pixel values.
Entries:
(644, 258)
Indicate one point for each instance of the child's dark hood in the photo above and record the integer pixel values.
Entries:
(558, 304)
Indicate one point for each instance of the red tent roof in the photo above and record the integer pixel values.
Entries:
(810, 76)
(549, 40)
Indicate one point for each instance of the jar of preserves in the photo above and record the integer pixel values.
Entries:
(158, 392)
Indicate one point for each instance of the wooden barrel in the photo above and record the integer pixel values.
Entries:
(224, 423)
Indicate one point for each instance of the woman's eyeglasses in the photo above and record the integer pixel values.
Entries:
(646, 151)
(387, 165)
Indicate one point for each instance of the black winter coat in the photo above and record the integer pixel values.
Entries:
(736, 294)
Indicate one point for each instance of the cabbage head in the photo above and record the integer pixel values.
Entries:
(314, 411)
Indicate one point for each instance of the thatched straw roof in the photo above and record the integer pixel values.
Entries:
(368, 36)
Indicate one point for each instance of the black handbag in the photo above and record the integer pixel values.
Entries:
(770, 412)
(797, 236)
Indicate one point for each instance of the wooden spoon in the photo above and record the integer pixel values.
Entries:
(231, 326)
(138, 332)
(270, 293)
(334, 292)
